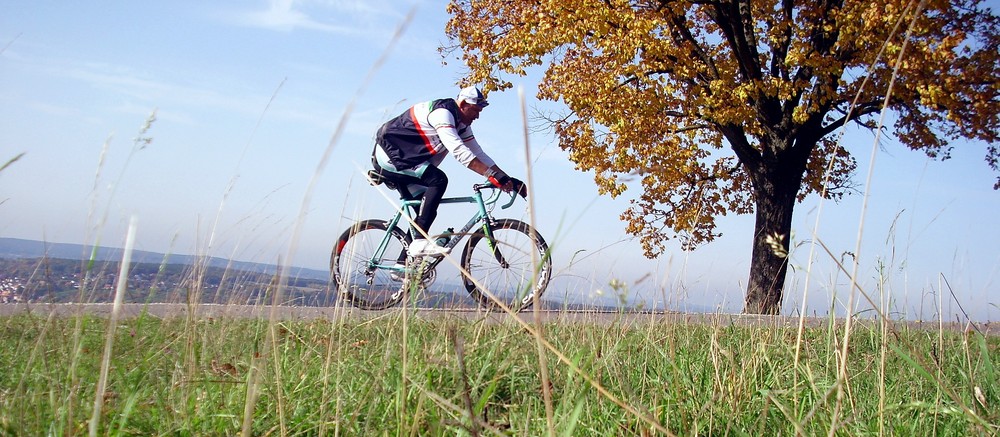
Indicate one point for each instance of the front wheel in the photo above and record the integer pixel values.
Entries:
(361, 266)
(513, 268)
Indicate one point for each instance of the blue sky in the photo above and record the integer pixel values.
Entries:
(248, 96)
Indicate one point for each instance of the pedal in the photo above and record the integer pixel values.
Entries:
(375, 178)
(422, 270)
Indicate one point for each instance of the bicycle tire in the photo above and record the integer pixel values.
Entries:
(517, 284)
(354, 279)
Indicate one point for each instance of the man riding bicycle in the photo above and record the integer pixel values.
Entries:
(410, 147)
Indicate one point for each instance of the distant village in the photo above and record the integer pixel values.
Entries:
(59, 280)
(11, 290)
(20, 288)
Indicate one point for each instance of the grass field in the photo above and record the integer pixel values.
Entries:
(395, 373)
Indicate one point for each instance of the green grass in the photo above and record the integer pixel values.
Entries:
(390, 374)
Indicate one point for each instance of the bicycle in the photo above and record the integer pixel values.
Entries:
(504, 260)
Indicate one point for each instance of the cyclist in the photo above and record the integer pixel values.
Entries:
(410, 147)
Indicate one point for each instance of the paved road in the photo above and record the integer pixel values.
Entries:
(206, 311)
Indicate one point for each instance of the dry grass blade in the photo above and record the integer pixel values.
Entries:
(543, 362)
(99, 393)
(306, 199)
(459, 346)
(4, 49)
(455, 409)
(826, 182)
(11, 161)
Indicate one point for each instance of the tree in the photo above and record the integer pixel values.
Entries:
(719, 107)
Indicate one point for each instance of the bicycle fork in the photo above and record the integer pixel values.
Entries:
(488, 231)
(492, 244)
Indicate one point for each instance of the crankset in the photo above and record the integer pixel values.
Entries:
(423, 270)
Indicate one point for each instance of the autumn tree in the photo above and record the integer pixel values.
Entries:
(719, 107)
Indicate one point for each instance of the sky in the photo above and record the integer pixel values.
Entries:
(264, 117)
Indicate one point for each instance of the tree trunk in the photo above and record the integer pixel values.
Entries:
(775, 188)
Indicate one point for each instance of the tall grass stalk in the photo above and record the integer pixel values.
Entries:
(11, 161)
(883, 350)
(304, 207)
(10, 43)
(334, 355)
(543, 365)
(94, 229)
(826, 179)
(843, 379)
(122, 286)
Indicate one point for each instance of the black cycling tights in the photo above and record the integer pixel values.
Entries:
(436, 182)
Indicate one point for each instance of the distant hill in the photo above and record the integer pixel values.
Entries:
(13, 248)
(307, 286)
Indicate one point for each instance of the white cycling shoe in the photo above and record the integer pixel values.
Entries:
(424, 247)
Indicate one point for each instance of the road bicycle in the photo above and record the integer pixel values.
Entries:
(503, 261)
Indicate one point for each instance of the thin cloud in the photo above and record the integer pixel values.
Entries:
(176, 99)
(370, 21)
(323, 16)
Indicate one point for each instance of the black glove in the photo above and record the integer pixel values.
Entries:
(509, 184)
(516, 186)
(499, 179)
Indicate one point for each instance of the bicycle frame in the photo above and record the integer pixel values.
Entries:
(409, 207)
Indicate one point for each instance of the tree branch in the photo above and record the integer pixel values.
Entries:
(780, 51)
(855, 114)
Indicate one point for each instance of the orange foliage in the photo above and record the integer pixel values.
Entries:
(696, 101)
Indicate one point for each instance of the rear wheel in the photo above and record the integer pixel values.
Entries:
(514, 272)
(361, 275)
